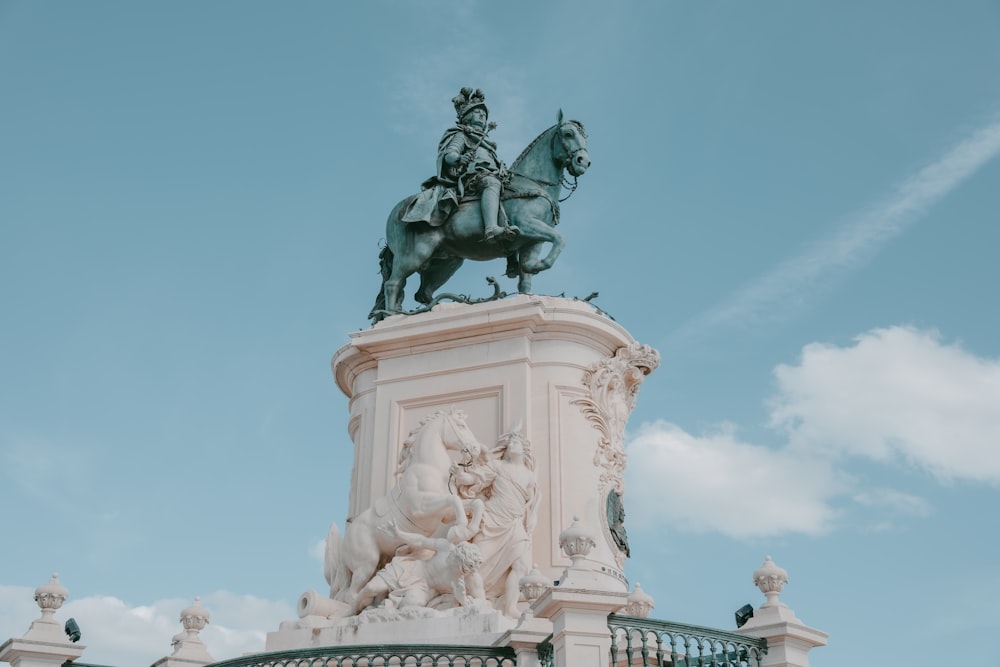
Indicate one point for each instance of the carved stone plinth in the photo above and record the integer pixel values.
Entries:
(480, 627)
(789, 640)
(568, 371)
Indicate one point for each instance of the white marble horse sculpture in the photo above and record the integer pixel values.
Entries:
(421, 502)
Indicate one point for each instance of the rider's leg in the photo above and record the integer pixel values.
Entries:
(490, 206)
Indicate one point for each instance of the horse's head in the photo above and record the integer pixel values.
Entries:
(569, 146)
(457, 436)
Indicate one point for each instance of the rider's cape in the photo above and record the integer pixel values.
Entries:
(440, 194)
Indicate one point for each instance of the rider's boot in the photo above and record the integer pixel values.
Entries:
(491, 213)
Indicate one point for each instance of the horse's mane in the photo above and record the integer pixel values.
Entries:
(527, 150)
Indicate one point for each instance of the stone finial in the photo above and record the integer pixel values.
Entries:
(576, 541)
(770, 579)
(50, 596)
(533, 584)
(639, 603)
(195, 617)
(188, 646)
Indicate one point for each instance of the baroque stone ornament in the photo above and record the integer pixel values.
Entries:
(639, 603)
(50, 596)
(576, 542)
(447, 578)
(504, 481)
(420, 502)
(188, 646)
(770, 579)
(195, 617)
(533, 584)
(612, 387)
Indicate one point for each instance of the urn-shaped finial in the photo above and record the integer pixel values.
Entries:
(770, 579)
(195, 618)
(638, 603)
(576, 541)
(51, 595)
(187, 644)
(533, 584)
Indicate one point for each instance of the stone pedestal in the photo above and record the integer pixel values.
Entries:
(45, 644)
(34, 653)
(189, 650)
(789, 640)
(579, 617)
(564, 370)
(463, 625)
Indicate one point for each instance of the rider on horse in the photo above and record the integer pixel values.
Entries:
(467, 164)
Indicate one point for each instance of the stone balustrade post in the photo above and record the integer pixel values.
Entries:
(579, 605)
(189, 650)
(45, 644)
(789, 640)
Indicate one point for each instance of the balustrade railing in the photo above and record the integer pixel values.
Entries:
(381, 655)
(644, 641)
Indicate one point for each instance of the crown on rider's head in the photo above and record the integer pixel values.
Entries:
(467, 100)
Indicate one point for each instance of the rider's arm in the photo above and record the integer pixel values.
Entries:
(452, 152)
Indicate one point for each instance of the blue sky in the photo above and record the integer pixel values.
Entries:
(795, 202)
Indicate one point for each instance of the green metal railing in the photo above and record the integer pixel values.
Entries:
(644, 641)
(381, 655)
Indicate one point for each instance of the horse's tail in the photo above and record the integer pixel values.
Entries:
(385, 268)
(333, 567)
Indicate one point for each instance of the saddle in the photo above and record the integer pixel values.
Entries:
(436, 203)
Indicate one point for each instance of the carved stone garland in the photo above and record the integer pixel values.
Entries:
(612, 386)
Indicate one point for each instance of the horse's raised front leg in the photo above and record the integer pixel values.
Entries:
(534, 228)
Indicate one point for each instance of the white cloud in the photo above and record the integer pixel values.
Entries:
(896, 394)
(854, 243)
(116, 633)
(897, 501)
(716, 483)
(318, 551)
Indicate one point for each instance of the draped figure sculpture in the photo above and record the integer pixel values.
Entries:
(504, 479)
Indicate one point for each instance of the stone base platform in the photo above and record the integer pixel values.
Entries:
(480, 626)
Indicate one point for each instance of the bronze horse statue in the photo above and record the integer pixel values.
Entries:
(531, 202)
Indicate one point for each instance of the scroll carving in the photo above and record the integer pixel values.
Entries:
(612, 386)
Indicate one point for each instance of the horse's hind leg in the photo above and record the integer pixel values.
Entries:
(435, 275)
(362, 573)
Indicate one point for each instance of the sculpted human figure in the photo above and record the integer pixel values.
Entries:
(467, 163)
(616, 521)
(505, 480)
(423, 571)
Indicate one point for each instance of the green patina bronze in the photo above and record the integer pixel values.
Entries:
(476, 208)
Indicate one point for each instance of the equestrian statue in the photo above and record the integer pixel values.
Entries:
(474, 207)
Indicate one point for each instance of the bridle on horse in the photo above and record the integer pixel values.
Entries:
(562, 164)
